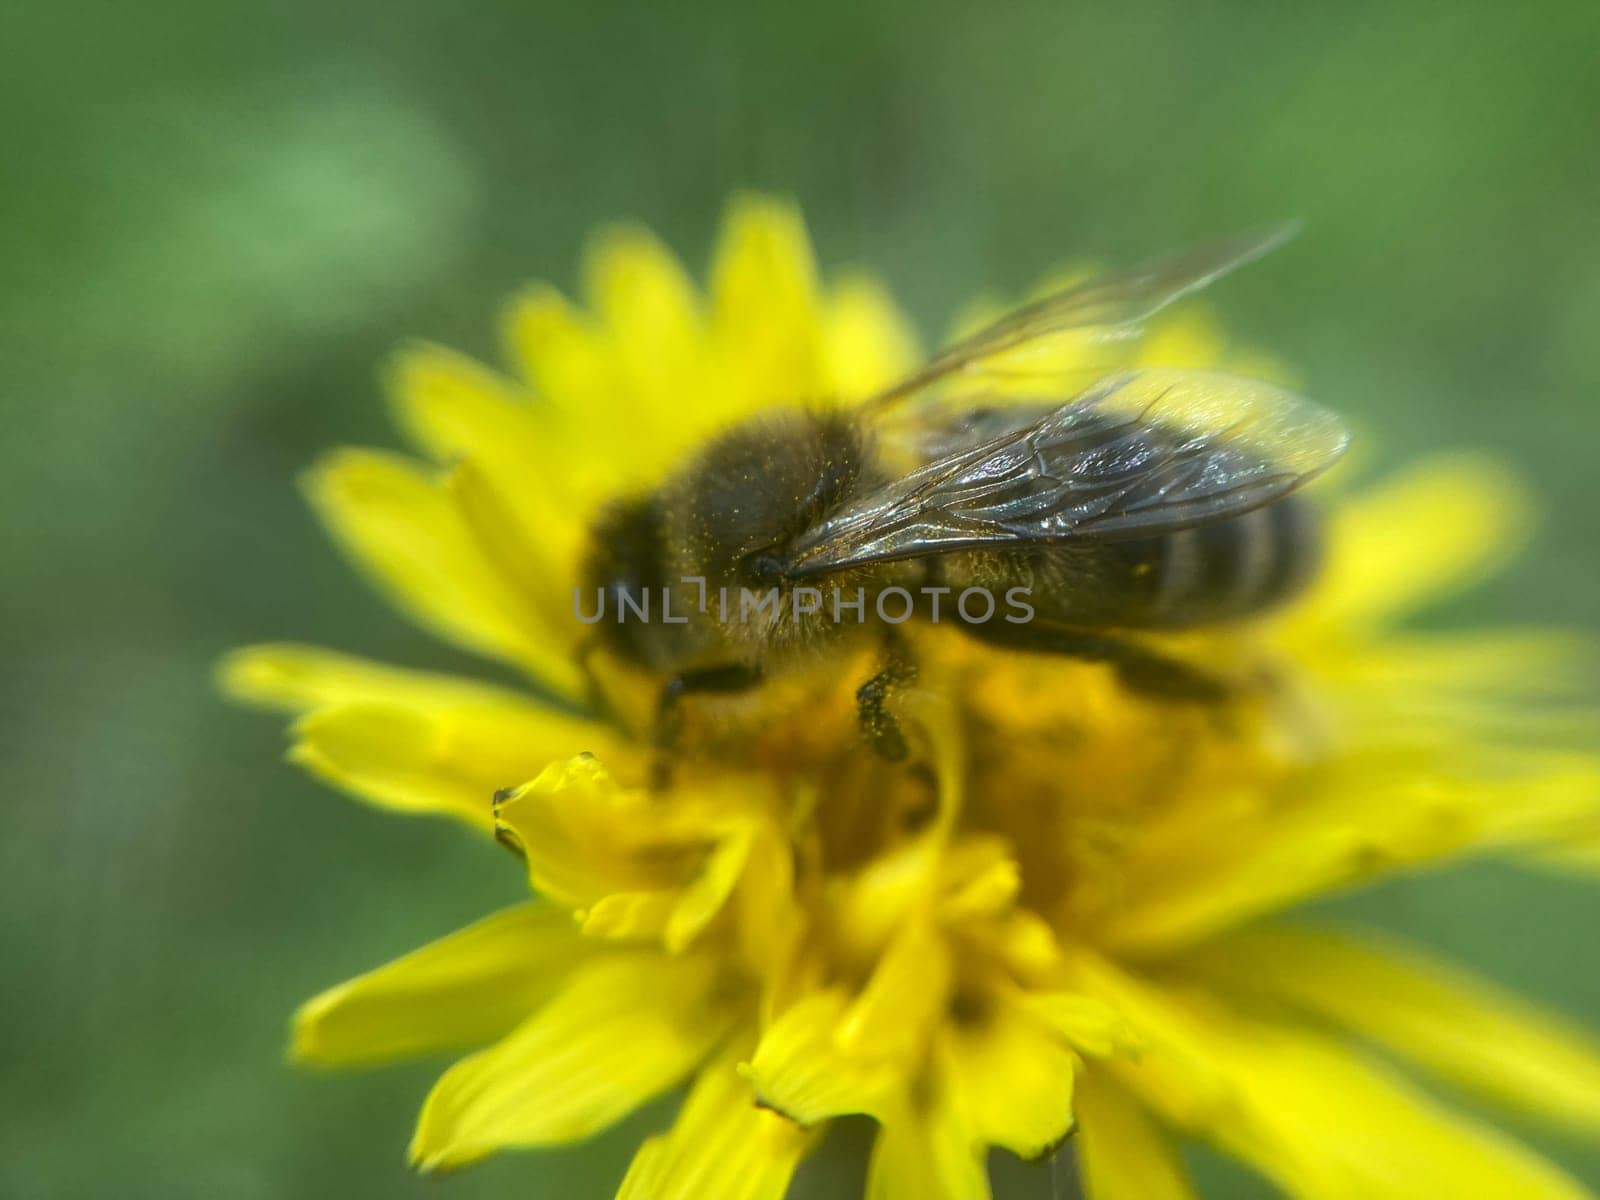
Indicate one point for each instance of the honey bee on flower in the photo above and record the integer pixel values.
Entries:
(1153, 499)
(990, 888)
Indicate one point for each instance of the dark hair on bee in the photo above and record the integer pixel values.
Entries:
(759, 487)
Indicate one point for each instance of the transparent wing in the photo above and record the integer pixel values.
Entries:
(1141, 453)
(1110, 308)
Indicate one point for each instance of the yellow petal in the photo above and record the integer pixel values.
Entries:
(1173, 1061)
(799, 1070)
(624, 1028)
(709, 890)
(766, 323)
(1066, 360)
(1021, 939)
(1122, 1153)
(868, 343)
(722, 1145)
(637, 867)
(405, 530)
(649, 307)
(1091, 1025)
(573, 363)
(1207, 869)
(1190, 339)
(898, 884)
(641, 291)
(466, 988)
(768, 919)
(1010, 1076)
(1493, 687)
(630, 916)
(1312, 1114)
(905, 996)
(449, 757)
(1361, 1131)
(1430, 531)
(1463, 1028)
(1521, 664)
(409, 740)
(453, 408)
(981, 879)
(386, 756)
(579, 830)
(298, 678)
(535, 552)
(924, 1151)
(563, 353)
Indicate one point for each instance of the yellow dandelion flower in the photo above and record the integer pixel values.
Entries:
(1062, 915)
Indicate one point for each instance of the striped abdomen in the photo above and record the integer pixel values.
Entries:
(1221, 571)
(1233, 568)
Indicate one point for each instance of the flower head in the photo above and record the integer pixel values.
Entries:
(1062, 916)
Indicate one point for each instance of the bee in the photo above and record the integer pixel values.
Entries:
(1141, 500)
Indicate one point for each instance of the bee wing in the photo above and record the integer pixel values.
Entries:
(1110, 308)
(1142, 453)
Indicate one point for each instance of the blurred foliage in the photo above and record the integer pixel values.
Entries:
(218, 218)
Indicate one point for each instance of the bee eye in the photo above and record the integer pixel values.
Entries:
(763, 570)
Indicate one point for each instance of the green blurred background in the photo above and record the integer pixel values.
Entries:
(218, 218)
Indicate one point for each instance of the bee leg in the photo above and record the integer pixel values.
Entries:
(1138, 668)
(878, 725)
(736, 677)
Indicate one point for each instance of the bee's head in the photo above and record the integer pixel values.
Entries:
(734, 513)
